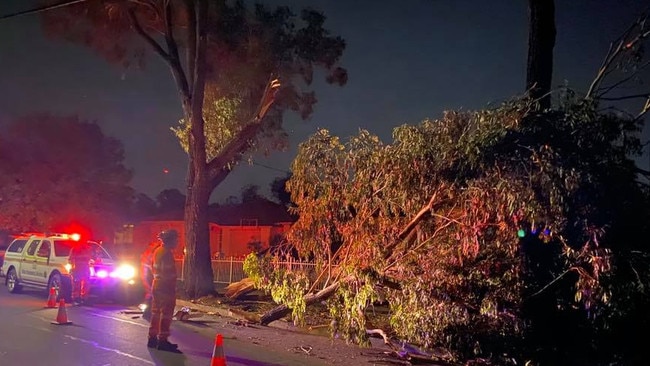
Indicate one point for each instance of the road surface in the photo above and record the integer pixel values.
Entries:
(110, 335)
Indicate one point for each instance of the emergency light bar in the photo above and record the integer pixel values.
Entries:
(73, 236)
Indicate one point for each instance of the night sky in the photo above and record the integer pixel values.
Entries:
(407, 60)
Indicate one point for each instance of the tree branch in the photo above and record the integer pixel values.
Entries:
(621, 45)
(231, 153)
(172, 45)
(200, 36)
(152, 42)
(191, 42)
(424, 211)
(605, 90)
(173, 64)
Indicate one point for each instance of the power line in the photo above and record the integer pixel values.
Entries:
(41, 9)
(272, 168)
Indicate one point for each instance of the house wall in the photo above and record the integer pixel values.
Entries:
(225, 241)
(236, 239)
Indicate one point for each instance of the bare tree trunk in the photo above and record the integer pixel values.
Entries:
(198, 275)
(541, 41)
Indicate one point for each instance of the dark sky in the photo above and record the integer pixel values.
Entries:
(407, 60)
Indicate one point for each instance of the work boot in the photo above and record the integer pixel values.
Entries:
(169, 347)
(152, 342)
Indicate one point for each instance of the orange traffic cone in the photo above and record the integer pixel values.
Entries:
(51, 300)
(218, 357)
(62, 316)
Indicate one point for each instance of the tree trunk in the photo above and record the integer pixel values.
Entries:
(283, 310)
(541, 41)
(198, 275)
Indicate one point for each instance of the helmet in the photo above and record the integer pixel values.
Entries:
(167, 236)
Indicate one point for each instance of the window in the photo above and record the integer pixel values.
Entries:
(32, 247)
(99, 252)
(44, 250)
(17, 246)
(62, 247)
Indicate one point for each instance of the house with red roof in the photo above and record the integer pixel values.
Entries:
(235, 229)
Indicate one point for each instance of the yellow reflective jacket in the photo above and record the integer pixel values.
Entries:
(146, 260)
(164, 266)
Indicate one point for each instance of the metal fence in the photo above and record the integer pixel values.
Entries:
(231, 270)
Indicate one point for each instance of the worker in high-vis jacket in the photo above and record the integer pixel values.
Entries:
(80, 258)
(164, 292)
(146, 270)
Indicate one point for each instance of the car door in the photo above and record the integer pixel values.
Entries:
(100, 255)
(43, 261)
(28, 267)
(101, 260)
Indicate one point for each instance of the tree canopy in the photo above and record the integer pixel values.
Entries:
(228, 82)
(59, 170)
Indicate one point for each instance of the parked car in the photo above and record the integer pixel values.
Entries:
(42, 261)
(5, 240)
(3, 249)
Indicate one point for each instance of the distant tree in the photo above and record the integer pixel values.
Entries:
(250, 193)
(279, 190)
(232, 200)
(170, 200)
(143, 206)
(226, 81)
(58, 170)
(541, 41)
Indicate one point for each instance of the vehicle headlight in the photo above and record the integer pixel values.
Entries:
(124, 272)
(102, 273)
(68, 267)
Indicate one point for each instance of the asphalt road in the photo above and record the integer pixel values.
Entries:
(103, 335)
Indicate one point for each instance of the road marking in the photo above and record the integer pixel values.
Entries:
(101, 316)
(96, 345)
(39, 328)
(121, 320)
(39, 318)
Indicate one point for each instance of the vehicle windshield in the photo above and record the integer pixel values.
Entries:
(62, 247)
(108, 249)
(121, 252)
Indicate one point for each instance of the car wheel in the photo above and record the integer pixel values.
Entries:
(61, 286)
(12, 282)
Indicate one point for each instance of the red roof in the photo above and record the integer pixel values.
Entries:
(258, 212)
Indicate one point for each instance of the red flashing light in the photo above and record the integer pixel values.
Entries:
(75, 237)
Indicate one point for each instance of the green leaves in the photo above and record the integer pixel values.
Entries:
(465, 280)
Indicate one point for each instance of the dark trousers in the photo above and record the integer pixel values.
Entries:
(162, 311)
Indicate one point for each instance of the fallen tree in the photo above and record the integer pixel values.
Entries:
(474, 228)
(311, 298)
(531, 223)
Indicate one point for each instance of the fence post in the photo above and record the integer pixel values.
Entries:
(183, 269)
(231, 263)
(215, 272)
